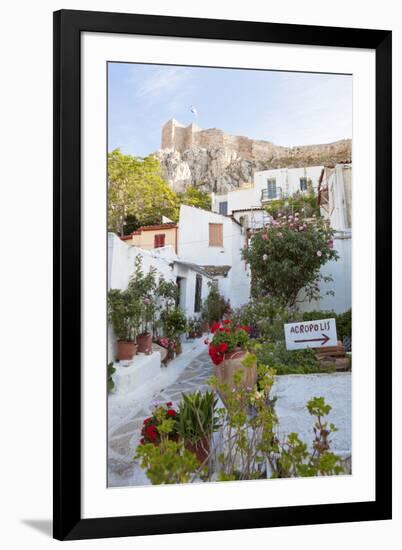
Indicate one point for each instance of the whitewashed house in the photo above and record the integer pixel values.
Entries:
(335, 199)
(246, 203)
(333, 187)
(191, 278)
(214, 242)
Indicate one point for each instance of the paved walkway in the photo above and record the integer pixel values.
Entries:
(124, 440)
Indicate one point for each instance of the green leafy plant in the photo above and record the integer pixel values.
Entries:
(343, 320)
(124, 311)
(174, 322)
(214, 307)
(286, 257)
(296, 460)
(137, 193)
(192, 196)
(143, 287)
(249, 436)
(167, 463)
(266, 317)
(305, 204)
(110, 382)
(197, 417)
(276, 356)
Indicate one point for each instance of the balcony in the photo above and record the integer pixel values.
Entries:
(268, 195)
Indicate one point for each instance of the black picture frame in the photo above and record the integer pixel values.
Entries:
(68, 26)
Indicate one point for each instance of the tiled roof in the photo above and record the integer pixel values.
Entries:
(157, 226)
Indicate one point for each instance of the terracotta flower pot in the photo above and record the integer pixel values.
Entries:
(126, 350)
(200, 449)
(233, 363)
(144, 343)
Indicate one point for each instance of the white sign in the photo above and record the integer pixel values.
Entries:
(311, 334)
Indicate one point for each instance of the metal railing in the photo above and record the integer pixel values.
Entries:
(265, 196)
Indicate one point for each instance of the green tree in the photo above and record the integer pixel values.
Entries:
(192, 196)
(137, 192)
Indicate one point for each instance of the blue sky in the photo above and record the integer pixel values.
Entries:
(283, 107)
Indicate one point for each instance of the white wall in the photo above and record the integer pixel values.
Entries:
(121, 257)
(194, 247)
(288, 179)
(341, 272)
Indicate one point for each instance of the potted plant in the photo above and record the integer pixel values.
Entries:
(228, 351)
(215, 306)
(124, 313)
(143, 287)
(144, 340)
(192, 326)
(199, 328)
(174, 324)
(151, 428)
(196, 422)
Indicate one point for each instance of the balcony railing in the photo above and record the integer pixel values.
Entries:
(266, 196)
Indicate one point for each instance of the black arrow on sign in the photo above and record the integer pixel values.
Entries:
(323, 340)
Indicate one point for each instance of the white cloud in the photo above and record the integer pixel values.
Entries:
(163, 81)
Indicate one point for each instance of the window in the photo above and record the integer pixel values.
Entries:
(159, 240)
(223, 208)
(198, 289)
(303, 184)
(271, 186)
(216, 234)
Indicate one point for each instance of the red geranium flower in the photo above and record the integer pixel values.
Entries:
(147, 421)
(226, 321)
(151, 432)
(169, 404)
(171, 412)
(215, 327)
(223, 347)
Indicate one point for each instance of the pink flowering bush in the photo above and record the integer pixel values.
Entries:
(287, 256)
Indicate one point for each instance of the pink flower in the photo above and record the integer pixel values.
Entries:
(330, 244)
(301, 228)
(319, 253)
(264, 237)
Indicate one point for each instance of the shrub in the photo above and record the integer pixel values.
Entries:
(287, 256)
(276, 356)
(174, 322)
(304, 203)
(343, 320)
(344, 324)
(214, 306)
(265, 317)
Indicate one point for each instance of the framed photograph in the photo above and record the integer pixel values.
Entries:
(222, 274)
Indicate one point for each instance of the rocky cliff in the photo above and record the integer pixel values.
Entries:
(225, 162)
